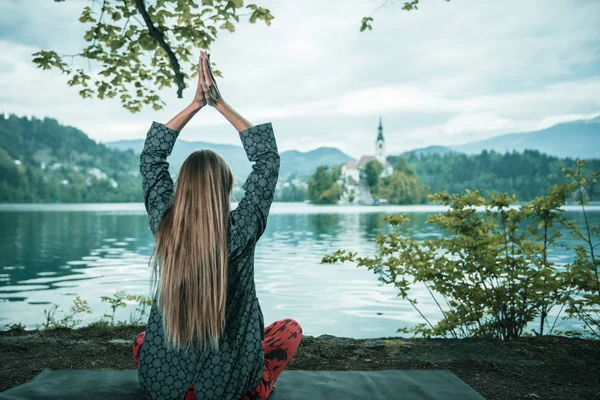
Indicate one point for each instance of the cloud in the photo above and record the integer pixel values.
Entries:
(558, 119)
(480, 111)
(476, 122)
(463, 70)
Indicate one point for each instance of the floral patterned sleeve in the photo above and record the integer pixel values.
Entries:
(250, 216)
(156, 180)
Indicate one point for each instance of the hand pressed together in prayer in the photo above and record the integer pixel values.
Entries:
(207, 91)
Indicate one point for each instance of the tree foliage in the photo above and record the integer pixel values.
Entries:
(323, 187)
(584, 304)
(408, 6)
(403, 186)
(291, 192)
(371, 171)
(143, 47)
(400, 188)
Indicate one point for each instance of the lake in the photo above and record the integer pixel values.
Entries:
(54, 252)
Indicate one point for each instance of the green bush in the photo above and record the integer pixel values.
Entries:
(491, 276)
(584, 302)
(108, 320)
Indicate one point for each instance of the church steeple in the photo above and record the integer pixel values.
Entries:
(380, 144)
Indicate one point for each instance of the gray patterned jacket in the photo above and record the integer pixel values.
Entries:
(238, 366)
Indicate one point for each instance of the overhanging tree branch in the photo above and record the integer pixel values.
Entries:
(160, 38)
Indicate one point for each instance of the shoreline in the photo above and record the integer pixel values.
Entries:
(547, 367)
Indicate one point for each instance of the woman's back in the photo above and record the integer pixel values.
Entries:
(237, 366)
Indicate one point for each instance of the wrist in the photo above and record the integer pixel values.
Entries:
(221, 106)
(194, 107)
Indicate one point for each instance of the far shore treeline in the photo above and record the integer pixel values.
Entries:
(42, 161)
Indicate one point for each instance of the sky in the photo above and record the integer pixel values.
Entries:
(448, 73)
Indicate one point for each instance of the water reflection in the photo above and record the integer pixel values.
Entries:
(48, 243)
(50, 255)
(324, 224)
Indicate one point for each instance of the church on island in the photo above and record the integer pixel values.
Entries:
(350, 174)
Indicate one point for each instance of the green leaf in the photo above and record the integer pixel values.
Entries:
(116, 44)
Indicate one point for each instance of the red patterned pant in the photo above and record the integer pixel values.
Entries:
(282, 339)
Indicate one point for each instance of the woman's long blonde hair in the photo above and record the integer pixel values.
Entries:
(191, 247)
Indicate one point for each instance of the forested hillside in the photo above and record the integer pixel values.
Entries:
(528, 173)
(44, 161)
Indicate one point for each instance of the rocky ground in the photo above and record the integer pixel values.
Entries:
(529, 368)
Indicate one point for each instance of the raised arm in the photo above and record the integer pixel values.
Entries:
(250, 216)
(156, 180)
(249, 219)
(160, 139)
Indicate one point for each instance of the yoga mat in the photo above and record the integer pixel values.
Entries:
(70, 384)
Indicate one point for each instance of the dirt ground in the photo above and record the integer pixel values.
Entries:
(544, 368)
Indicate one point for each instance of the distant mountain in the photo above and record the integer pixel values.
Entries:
(293, 163)
(304, 164)
(234, 155)
(577, 139)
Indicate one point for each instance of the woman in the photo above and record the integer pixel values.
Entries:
(205, 337)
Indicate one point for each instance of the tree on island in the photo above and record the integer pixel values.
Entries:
(403, 186)
(290, 192)
(323, 187)
(351, 196)
(371, 171)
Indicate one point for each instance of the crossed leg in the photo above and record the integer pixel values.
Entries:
(282, 339)
(281, 342)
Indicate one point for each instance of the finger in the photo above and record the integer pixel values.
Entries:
(200, 89)
(214, 88)
(207, 88)
(207, 77)
(210, 71)
(202, 69)
(200, 74)
(203, 87)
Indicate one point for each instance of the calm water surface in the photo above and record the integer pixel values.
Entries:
(52, 253)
